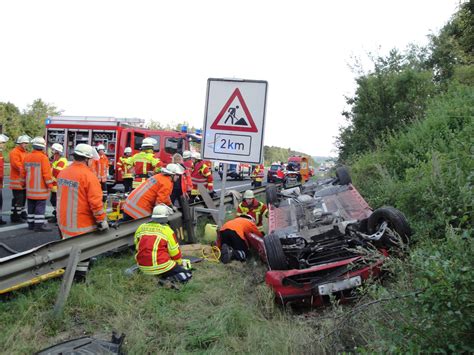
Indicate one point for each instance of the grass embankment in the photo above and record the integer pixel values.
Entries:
(222, 309)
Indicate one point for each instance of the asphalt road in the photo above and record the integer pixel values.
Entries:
(18, 238)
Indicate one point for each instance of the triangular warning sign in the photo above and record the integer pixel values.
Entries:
(235, 115)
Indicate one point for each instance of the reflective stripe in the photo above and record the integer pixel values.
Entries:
(135, 197)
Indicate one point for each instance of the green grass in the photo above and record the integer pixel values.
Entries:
(224, 308)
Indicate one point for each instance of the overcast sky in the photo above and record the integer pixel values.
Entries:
(151, 59)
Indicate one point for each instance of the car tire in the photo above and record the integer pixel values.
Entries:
(343, 176)
(276, 258)
(396, 221)
(271, 193)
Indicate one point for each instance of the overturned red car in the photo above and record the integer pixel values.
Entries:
(320, 236)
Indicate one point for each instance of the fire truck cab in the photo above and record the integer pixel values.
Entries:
(115, 134)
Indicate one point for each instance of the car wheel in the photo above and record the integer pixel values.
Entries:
(396, 221)
(275, 256)
(271, 193)
(343, 176)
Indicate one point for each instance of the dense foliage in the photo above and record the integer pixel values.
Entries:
(409, 144)
(30, 121)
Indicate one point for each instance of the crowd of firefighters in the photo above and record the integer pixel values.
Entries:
(78, 192)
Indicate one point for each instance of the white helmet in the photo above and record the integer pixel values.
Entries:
(38, 143)
(173, 169)
(187, 154)
(23, 139)
(3, 138)
(247, 216)
(85, 150)
(196, 155)
(149, 142)
(161, 211)
(127, 150)
(249, 194)
(100, 147)
(57, 147)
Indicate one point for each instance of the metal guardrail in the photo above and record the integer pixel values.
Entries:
(54, 256)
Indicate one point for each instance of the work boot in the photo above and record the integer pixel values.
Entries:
(239, 255)
(31, 226)
(226, 254)
(16, 219)
(53, 219)
(42, 228)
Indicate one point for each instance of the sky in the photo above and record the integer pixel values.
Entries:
(152, 59)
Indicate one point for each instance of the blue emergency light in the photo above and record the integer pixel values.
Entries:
(184, 129)
(48, 121)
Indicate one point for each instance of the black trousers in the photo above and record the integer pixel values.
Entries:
(127, 184)
(36, 211)
(104, 191)
(232, 239)
(53, 199)
(18, 205)
(178, 273)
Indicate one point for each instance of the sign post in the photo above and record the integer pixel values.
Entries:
(234, 124)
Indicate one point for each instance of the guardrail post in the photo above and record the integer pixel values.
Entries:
(188, 220)
(67, 280)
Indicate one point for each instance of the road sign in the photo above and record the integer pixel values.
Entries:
(234, 120)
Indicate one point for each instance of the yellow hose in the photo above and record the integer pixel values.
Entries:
(213, 256)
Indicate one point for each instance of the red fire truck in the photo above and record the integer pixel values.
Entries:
(115, 134)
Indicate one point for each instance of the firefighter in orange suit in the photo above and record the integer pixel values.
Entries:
(144, 163)
(3, 140)
(38, 182)
(126, 170)
(156, 190)
(58, 163)
(157, 250)
(253, 207)
(233, 238)
(17, 185)
(257, 175)
(101, 169)
(201, 174)
(79, 201)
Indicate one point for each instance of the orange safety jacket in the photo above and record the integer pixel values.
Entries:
(186, 182)
(125, 170)
(258, 173)
(59, 163)
(152, 192)
(79, 200)
(17, 156)
(241, 226)
(2, 170)
(256, 209)
(157, 248)
(201, 174)
(101, 168)
(143, 163)
(37, 175)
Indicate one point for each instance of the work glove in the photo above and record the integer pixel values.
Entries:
(102, 226)
(212, 194)
(186, 264)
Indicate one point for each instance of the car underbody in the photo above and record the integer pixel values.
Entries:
(324, 240)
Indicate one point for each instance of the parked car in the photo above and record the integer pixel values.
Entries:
(272, 173)
(320, 236)
(238, 171)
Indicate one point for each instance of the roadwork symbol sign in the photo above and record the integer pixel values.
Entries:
(234, 120)
(235, 115)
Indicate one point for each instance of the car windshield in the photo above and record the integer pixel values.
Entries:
(274, 167)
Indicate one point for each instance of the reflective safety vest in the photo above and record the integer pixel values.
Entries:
(256, 209)
(157, 248)
(143, 163)
(241, 226)
(79, 200)
(258, 173)
(101, 168)
(125, 169)
(153, 191)
(58, 164)
(37, 175)
(201, 174)
(2, 169)
(17, 156)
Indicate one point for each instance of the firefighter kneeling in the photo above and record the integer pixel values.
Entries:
(157, 249)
